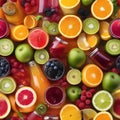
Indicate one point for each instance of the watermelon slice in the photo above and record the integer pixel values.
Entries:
(5, 106)
(38, 39)
(25, 97)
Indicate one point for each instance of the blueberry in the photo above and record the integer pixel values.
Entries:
(49, 11)
(23, 3)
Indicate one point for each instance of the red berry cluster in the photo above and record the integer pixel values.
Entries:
(18, 71)
(118, 2)
(85, 98)
(28, 4)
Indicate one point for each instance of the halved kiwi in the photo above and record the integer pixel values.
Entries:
(6, 47)
(112, 46)
(41, 56)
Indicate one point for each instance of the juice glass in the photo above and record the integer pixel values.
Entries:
(57, 47)
(4, 28)
(69, 6)
(115, 28)
(103, 60)
(55, 97)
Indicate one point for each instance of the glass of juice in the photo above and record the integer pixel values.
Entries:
(4, 28)
(57, 47)
(115, 28)
(103, 60)
(69, 7)
(55, 97)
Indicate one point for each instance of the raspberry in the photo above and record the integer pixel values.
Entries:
(118, 2)
(83, 98)
(88, 94)
(81, 105)
(87, 102)
(83, 92)
(84, 87)
(77, 102)
(92, 90)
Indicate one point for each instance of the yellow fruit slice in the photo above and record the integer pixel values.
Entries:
(88, 114)
(30, 21)
(92, 75)
(68, 28)
(70, 112)
(102, 10)
(19, 33)
(104, 30)
(103, 116)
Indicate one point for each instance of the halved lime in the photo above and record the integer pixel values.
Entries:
(7, 85)
(102, 100)
(74, 76)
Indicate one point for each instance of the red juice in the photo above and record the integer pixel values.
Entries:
(103, 60)
(4, 28)
(55, 96)
(115, 28)
(57, 47)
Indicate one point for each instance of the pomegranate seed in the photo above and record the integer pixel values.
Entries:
(14, 70)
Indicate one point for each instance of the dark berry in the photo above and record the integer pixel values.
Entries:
(83, 13)
(49, 11)
(23, 2)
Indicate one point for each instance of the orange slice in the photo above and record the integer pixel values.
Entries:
(19, 33)
(92, 75)
(103, 116)
(70, 26)
(102, 10)
(30, 21)
(70, 112)
(104, 30)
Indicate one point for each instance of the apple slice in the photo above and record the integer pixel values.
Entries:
(5, 106)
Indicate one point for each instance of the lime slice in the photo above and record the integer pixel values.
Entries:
(74, 76)
(7, 85)
(102, 100)
(6, 47)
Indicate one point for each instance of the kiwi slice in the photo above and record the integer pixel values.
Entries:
(41, 56)
(7, 85)
(112, 47)
(6, 47)
(91, 25)
(41, 109)
(53, 29)
(9, 8)
(74, 76)
(45, 25)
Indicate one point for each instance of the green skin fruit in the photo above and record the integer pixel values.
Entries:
(111, 81)
(87, 2)
(73, 93)
(76, 58)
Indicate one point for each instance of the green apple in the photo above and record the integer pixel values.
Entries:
(73, 93)
(87, 2)
(76, 58)
(111, 81)
(24, 52)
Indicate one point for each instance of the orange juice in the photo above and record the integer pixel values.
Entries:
(69, 6)
(38, 81)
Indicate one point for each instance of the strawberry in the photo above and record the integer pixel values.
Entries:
(2, 2)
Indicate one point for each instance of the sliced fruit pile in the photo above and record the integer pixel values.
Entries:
(60, 63)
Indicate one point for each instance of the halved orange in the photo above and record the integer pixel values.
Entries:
(19, 33)
(30, 21)
(92, 75)
(102, 9)
(103, 116)
(70, 26)
(70, 112)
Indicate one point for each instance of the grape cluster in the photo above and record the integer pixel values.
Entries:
(18, 71)
(54, 69)
(85, 98)
(4, 67)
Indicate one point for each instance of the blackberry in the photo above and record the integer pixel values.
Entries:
(54, 69)
(4, 67)
(49, 11)
(83, 13)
